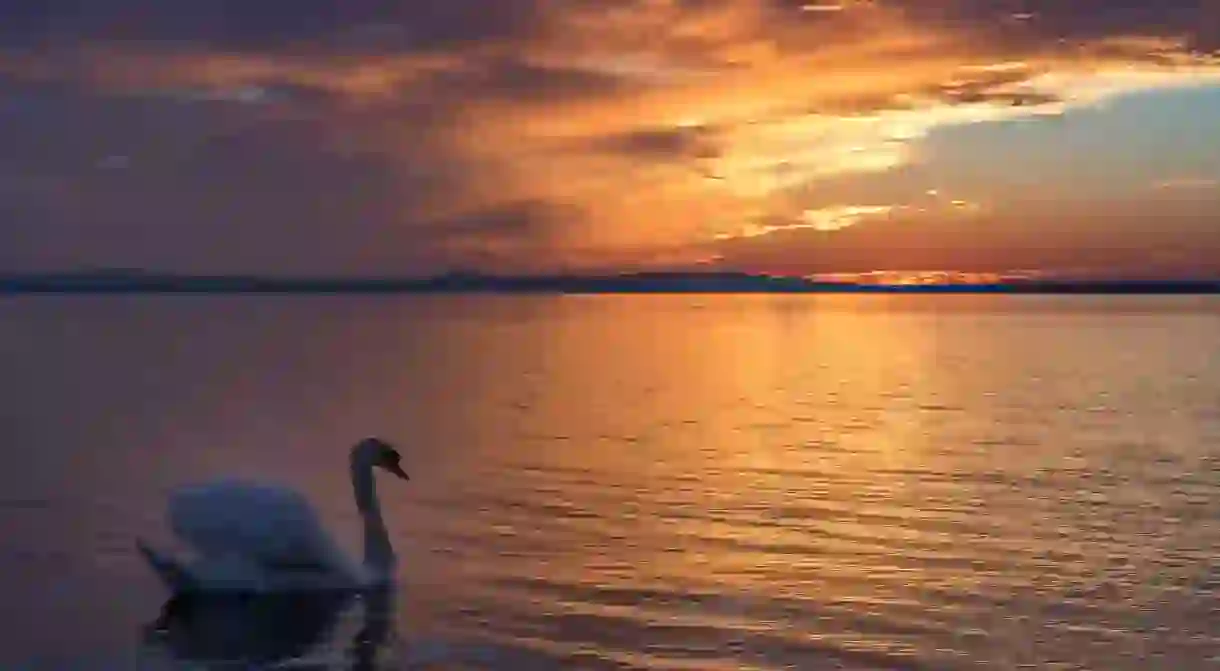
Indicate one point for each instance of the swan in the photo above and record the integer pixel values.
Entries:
(259, 538)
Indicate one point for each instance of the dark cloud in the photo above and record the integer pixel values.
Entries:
(516, 235)
(525, 222)
(1053, 20)
(211, 187)
(994, 87)
(662, 143)
(265, 23)
(410, 25)
(514, 79)
(1044, 21)
(1099, 18)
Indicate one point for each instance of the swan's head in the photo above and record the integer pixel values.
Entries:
(378, 453)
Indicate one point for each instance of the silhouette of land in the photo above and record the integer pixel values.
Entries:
(134, 281)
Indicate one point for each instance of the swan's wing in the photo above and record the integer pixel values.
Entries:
(272, 527)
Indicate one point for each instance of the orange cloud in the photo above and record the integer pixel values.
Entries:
(655, 124)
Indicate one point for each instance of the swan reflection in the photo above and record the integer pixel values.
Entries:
(279, 630)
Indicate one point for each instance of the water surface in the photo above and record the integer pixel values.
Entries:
(645, 482)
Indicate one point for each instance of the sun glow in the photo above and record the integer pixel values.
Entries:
(925, 277)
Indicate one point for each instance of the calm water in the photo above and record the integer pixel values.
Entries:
(830, 482)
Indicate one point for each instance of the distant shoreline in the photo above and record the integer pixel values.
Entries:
(643, 283)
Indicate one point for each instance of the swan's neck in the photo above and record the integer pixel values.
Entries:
(378, 554)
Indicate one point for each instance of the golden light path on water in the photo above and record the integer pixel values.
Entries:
(809, 480)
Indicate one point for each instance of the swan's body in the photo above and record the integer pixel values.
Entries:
(258, 537)
(261, 538)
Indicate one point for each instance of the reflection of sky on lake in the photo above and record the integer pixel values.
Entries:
(956, 482)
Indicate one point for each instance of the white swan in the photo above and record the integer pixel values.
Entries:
(264, 539)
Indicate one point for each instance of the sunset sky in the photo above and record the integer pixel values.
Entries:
(403, 137)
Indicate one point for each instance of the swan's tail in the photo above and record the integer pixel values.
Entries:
(171, 572)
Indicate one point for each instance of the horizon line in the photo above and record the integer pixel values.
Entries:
(655, 282)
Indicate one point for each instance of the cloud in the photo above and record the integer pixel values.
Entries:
(417, 134)
(211, 186)
(269, 24)
(1133, 246)
(700, 27)
(822, 219)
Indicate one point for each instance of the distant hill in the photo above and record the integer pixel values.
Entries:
(138, 281)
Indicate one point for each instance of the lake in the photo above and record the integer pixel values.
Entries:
(642, 482)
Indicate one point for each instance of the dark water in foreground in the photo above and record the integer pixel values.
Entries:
(762, 482)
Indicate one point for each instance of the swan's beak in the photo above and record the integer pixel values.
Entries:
(397, 470)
